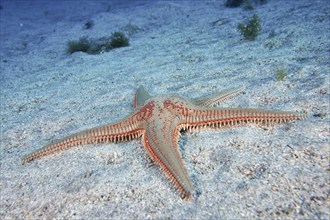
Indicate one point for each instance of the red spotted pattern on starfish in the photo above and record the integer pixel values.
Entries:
(159, 120)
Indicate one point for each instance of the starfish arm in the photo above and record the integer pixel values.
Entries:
(216, 118)
(123, 130)
(215, 99)
(161, 143)
(140, 97)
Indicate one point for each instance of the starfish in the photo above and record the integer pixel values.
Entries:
(159, 120)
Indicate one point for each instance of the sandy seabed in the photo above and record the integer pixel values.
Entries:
(189, 48)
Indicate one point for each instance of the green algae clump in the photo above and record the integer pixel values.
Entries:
(118, 39)
(78, 45)
(280, 74)
(98, 46)
(252, 29)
